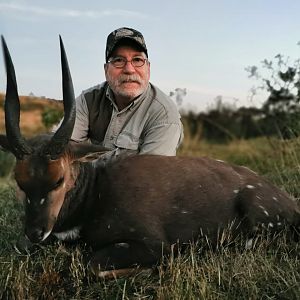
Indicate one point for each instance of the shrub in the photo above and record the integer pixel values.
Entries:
(51, 116)
(6, 163)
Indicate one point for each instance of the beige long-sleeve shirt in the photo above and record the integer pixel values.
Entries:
(149, 125)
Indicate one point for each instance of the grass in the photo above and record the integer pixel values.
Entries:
(271, 270)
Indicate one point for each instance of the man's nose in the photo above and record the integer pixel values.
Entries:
(129, 68)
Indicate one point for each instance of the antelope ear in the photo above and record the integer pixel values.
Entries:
(85, 152)
(4, 144)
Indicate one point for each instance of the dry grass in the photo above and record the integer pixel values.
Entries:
(271, 270)
(31, 114)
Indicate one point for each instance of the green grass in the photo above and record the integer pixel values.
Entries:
(271, 270)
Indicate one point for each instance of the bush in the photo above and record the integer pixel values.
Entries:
(51, 116)
(6, 163)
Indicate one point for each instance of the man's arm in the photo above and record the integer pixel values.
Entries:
(162, 139)
(81, 127)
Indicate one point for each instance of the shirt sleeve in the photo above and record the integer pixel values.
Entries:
(81, 127)
(162, 139)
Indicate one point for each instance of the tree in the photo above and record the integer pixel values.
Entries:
(281, 80)
(51, 116)
(179, 94)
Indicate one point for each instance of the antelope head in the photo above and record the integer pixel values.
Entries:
(43, 168)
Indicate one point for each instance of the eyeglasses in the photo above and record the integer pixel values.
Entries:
(120, 62)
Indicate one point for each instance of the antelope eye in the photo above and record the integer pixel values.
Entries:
(59, 182)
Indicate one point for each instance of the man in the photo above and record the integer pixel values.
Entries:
(127, 112)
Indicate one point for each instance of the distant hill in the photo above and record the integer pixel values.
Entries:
(32, 109)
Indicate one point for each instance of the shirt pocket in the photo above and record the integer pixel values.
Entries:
(126, 140)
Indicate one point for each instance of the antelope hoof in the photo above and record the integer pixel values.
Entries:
(117, 273)
(114, 274)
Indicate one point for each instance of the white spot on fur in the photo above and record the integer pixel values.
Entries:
(71, 234)
(264, 210)
(28, 200)
(220, 160)
(249, 186)
(42, 201)
(271, 225)
(184, 212)
(275, 199)
(108, 226)
(235, 191)
(260, 184)
(279, 224)
(249, 244)
(122, 245)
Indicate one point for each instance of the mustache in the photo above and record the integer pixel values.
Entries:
(129, 78)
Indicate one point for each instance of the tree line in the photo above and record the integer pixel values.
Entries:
(278, 116)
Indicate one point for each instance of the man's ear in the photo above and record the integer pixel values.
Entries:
(85, 152)
(105, 67)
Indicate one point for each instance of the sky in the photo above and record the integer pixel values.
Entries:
(202, 45)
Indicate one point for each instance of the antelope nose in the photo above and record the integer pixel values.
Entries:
(35, 235)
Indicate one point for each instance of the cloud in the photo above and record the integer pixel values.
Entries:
(68, 13)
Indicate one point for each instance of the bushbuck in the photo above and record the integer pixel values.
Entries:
(133, 209)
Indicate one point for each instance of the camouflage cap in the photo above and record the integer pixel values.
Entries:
(124, 33)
